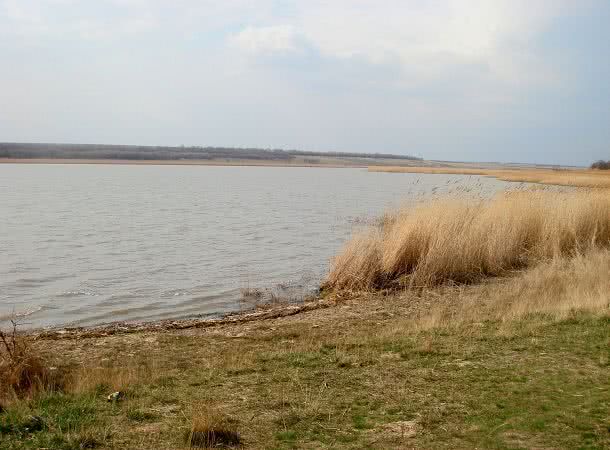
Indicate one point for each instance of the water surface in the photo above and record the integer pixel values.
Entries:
(89, 244)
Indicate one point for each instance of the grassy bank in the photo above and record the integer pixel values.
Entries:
(365, 378)
(480, 324)
(581, 178)
(362, 377)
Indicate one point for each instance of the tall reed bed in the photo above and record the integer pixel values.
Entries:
(580, 178)
(463, 241)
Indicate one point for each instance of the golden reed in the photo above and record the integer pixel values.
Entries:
(452, 240)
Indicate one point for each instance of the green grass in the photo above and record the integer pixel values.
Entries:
(138, 415)
(55, 421)
(533, 383)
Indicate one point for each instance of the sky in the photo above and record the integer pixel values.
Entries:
(462, 80)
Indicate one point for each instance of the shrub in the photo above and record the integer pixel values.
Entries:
(22, 370)
(601, 165)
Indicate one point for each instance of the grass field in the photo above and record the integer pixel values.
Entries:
(361, 375)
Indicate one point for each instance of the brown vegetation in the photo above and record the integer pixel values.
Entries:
(601, 165)
(581, 178)
(113, 379)
(464, 241)
(211, 429)
(556, 288)
(22, 369)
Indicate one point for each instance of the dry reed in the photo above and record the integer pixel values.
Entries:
(555, 288)
(581, 178)
(463, 241)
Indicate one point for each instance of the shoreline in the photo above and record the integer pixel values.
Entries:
(165, 325)
(369, 371)
(269, 312)
(346, 369)
(574, 177)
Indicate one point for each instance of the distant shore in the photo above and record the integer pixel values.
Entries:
(576, 177)
(180, 162)
(559, 177)
(528, 174)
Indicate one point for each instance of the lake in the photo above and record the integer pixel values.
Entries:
(90, 244)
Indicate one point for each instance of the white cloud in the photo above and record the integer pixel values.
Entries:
(428, 38)
(279, 38)
(425, 37)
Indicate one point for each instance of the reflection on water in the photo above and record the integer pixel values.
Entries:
(88, 244)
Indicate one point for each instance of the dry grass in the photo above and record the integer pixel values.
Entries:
(465, 241)
(113, 379)
(580, 178)
(211, 429)
(358, 266)
(556, 289)
(22, 370)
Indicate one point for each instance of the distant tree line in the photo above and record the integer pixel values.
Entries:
(137, 152)
(353, 155)
(133, 152)
(601, 164)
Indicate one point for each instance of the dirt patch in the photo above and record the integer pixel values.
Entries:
(397, 430)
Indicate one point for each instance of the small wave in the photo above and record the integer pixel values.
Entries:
(120, 299)
(41, 280)
(18, 315)
(71, 294)
(175, 293)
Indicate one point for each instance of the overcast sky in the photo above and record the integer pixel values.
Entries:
(476, 80)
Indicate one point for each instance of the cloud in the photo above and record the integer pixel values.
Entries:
(271, 39)
(442, 77)
(429, 38)
(425, 37)
(38, 20)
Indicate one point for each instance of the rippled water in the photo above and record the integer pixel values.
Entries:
(88, 244)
